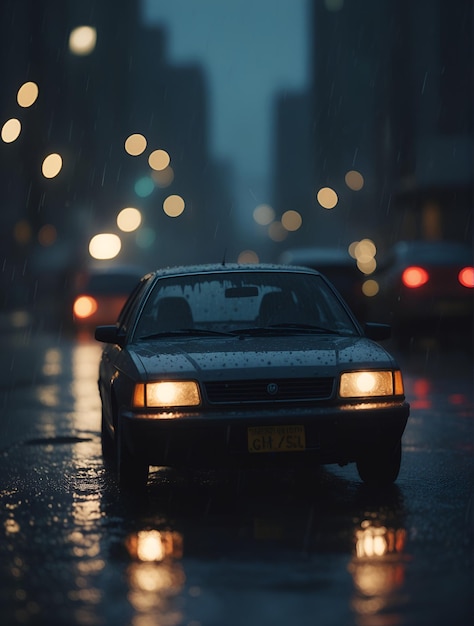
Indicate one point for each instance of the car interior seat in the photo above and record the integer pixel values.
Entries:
(278, 307)
(173, 313)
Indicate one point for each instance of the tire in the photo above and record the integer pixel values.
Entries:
(132, 472)
(381, 467)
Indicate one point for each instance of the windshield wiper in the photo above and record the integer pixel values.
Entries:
(185, 332)
(282, 328)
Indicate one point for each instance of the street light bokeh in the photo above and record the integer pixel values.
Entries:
(11, 130)
(105, 246)
(82, 40)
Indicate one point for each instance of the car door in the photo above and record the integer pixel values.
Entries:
(112, 361)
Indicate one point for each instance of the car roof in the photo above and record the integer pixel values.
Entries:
(436, 251)
(230, 267)
(318, 256)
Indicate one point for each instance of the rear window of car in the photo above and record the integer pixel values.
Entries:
(441, 253)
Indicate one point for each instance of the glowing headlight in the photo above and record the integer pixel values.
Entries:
(370, 383)
(167, 394)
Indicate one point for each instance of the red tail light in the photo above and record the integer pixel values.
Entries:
(84, 306)
(466, 277)
(414, 277)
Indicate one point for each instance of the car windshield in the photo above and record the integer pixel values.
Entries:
(243, 302)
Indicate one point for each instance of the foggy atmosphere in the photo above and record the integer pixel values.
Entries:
(237, 313)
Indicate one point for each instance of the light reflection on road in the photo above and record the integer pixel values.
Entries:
(378, 571)
(155, 576)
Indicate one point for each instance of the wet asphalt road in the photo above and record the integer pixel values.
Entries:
(200, 551)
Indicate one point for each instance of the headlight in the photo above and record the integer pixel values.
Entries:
(166, 394)
(371, 384)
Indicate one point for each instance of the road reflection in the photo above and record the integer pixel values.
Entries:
(378, 571)
(190, 539)
(155, 576)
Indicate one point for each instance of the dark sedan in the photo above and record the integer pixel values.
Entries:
(427, 287)
(247, 366)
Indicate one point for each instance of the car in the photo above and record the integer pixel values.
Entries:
(234, 366)
(99, 293)
(339, 267)
(426, 288)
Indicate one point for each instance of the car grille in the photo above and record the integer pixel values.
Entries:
(269, 390)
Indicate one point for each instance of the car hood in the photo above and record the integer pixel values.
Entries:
(247, 357)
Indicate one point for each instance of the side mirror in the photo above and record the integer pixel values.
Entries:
(108, 334)
(377, 332)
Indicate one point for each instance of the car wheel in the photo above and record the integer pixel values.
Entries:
(132, 472)
(381, 467)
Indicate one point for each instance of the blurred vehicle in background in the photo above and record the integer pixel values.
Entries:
(99, 293)
(339, 267)
(426, 287)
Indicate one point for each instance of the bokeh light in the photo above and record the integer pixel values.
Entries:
(82, 40)
(370, 287)
(129, 219)
(291, 220)
(52, 165)
(466, 277)
(159, 160)
(163, 178)
(135, 144)
(27, 94)
(11, 130)
(144, 186)
(414, 276)
(354, 180)
(367, 266)
(47, 235)
(248, 256)
(22, 231)
(104, 246)
(145, 237)
(352, 249)
(327, 198)
(173, 205)
(365, 250)
(263, 214)
(84, 306)
(276, 232)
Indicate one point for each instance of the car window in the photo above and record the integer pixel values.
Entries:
(132, 305)
(230, 301)
(439, 253)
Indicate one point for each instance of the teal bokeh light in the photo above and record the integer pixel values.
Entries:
(144, 187)
(145, 237)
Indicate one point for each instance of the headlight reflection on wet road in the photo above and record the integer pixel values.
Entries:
(378, 570)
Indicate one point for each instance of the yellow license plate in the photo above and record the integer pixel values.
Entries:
(276, 438)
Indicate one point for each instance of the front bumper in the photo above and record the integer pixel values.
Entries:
(219, 440)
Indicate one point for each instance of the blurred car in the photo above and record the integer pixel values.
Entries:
(339, 267)
(99, 293)
(426, 287)
(247, 366)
